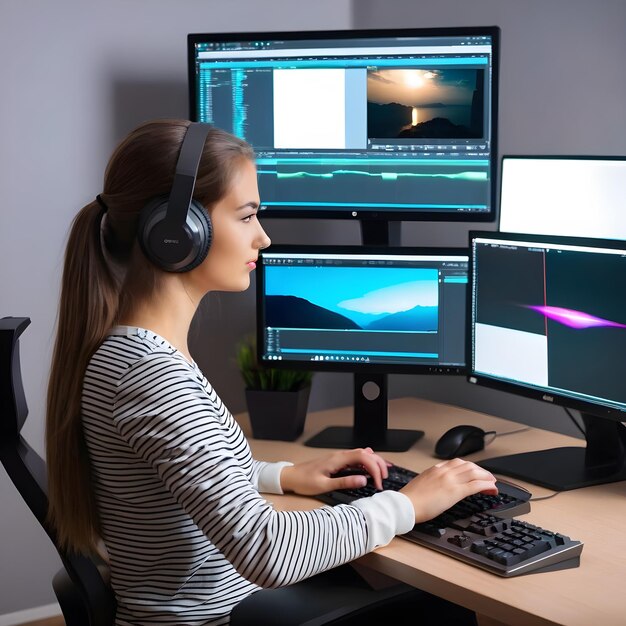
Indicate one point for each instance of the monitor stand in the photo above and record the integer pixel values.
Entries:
(370, 422)
(603, 460)
(381, 233)
(370, 390)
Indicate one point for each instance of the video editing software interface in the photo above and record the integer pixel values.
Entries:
(358, 308)
(574, 196)
(350, 123)
(551, 317)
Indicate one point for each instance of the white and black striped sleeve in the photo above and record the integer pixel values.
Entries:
(169, 420)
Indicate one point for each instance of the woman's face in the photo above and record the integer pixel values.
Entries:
(237, 235)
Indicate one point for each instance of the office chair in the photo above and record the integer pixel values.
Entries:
(83, 593)
(81, 586)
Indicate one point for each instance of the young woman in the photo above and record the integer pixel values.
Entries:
(141, 452)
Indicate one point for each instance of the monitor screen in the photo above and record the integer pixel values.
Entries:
(382, 125)
(548, 320)
(578, 196)
(370, 311)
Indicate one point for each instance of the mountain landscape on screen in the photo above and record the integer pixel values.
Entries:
(294, 312)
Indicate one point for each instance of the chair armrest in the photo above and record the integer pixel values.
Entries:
(69, 599)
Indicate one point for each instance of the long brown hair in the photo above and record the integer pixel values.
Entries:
(105, 275)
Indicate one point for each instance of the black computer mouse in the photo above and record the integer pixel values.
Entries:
(459, 441)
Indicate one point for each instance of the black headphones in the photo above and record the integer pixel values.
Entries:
(175, 232)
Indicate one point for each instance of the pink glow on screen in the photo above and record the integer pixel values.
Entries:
(574, 319)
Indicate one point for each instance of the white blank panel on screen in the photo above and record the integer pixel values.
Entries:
(578, 197)
(309, 108)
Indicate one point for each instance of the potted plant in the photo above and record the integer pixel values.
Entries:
(277, 399)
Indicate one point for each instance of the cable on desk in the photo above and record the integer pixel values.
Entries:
(536, 498)
(512, 432)
(497, 434)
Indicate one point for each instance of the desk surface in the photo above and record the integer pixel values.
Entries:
(592, 594)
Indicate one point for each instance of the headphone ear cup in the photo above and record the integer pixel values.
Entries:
(174, 251)
(151, 214)
(198, 221)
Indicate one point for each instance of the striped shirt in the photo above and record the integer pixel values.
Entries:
(188, 533)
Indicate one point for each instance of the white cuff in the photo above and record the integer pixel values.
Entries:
(388, 513)
(269, 477)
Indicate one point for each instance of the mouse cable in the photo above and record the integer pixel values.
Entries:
(510, 432)
(497, 434)
(535, 498)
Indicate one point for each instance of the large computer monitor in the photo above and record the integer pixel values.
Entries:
(378, 125)
(547, 320)
(371, 311)
(574, 196)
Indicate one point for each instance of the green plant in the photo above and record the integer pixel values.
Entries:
(257, 376)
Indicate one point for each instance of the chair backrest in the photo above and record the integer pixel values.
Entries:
(27, 471)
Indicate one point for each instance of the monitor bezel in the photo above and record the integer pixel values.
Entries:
(353, 367)
(520, 389)
(349, 213)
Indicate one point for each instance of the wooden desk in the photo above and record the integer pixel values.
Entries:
(593, 594)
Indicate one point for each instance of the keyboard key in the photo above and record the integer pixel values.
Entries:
(463, 541)
(430, 529)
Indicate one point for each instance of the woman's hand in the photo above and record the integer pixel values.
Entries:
(444, 484)
(314, 477)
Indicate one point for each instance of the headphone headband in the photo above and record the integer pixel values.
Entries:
(186, 172)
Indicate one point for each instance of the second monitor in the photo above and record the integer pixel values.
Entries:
(369, 311)
(574, 196)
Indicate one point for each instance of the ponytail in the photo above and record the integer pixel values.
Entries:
(88, 308)
(95, 295)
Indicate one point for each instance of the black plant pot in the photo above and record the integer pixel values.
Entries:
(277, 414)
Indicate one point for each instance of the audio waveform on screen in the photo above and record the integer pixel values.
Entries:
(383, 175)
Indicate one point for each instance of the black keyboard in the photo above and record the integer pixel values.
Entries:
(510, 499)
(481, 529)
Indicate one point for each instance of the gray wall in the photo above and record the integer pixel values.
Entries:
(78, 75)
